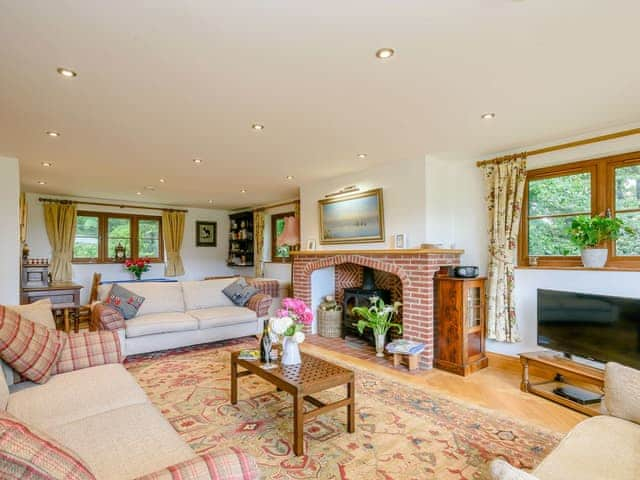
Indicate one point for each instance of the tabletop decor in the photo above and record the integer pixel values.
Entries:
(288, 324)
(138, 266)
(378, 317)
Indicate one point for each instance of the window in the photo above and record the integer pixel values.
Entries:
(554, 196)
(99, 233)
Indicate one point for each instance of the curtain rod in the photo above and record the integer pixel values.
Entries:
(562, 146)
(56, 200)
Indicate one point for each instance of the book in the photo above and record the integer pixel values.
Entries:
(407, 347)
(249, 355)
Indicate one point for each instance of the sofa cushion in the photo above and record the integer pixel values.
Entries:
(28, 347)
(88, 349)
(4, 391)
(159, 297)
(239, 292)
(124, 301)
(206, 293)
(75, 395)
(30, 454)
(38, 312)
(221, 316)
(134, 441)
(599, 447)
(622, 391)
(160, 323)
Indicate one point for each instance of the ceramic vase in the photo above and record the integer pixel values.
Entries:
(594, 257)
(380, 339)
(290, 352)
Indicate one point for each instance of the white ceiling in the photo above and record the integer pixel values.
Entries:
(162, 81)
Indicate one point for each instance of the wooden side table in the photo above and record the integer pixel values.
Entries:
(69, 312)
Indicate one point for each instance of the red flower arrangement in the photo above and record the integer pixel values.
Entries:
(138, 266)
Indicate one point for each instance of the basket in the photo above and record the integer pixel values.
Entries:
(330, 323)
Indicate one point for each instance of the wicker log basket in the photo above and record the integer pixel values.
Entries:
(330, 318)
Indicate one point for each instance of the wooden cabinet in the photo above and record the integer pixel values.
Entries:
(57, 292)
(241, 240)
(459, 343)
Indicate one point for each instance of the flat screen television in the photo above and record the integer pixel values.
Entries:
(597, 327)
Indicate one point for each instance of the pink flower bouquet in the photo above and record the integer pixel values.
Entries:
(290, 319)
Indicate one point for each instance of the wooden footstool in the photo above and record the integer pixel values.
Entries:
(411, 361)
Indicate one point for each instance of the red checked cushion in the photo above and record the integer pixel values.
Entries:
(29, 348)
(31, 455)
(88, 349)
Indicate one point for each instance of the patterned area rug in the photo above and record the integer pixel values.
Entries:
(401, 432)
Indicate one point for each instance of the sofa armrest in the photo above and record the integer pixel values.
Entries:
(88, 349)
(105, 317)
(501, 470)
(622, 392)
(260, 303)
(230, 465)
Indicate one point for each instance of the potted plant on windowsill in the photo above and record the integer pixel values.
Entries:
(378, 317)
(590, 233)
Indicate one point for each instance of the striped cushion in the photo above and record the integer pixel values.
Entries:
(28, 454)
(88, 349)
(232, 465)
(30, 349)
(107, 317)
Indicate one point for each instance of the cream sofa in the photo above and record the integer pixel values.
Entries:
(185, 313)
(599, 448)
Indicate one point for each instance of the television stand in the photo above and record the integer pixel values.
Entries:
(560, 372)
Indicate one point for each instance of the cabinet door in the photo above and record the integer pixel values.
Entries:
(449, 328)
(474, 319)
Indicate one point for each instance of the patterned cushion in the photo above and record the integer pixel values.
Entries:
(30, 349)
(234, 465)
(124, 300)
(38, 312)
(260, 303)
(88, 349)
(28, 454)
(239, 292)
(106, 317)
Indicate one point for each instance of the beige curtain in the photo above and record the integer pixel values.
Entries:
(505, 181)
(172, 235)
(60, 222)
(258, 240)
(23, 217)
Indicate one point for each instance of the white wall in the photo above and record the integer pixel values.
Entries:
(10, 250)
(198, 261)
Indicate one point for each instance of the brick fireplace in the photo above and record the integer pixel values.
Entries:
(408, 271)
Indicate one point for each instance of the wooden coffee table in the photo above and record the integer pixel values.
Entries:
(313, 375)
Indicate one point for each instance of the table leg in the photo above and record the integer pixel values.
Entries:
(234, 382)
(76, 321)
(67, 324)
(524, 384)
(298, 424)
(351, 407)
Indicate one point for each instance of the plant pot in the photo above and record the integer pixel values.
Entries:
(290, 352)
(380, 339)
(594, 257)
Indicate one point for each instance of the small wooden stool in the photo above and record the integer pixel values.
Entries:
(70, 311)
(411, 361)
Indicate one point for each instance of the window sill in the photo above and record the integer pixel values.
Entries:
(152, 262)
(578, 268)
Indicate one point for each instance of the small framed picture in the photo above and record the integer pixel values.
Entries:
(311, 244)
(400, 240)
(206, 234)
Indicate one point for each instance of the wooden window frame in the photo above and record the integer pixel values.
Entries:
(602, 199)
(104, 256)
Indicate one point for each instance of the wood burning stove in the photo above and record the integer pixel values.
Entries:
(361, 297)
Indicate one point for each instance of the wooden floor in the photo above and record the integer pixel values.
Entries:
(495, 387)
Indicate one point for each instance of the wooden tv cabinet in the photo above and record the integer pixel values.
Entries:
(550, 365)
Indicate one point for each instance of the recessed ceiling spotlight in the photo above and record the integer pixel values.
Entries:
(65, 72)
(138, 193)
(41, 182)
(244, 190)
(257, 126)
(385, 53)
(362, 155)
(47, 164)
(197, 161)
(210, 201)
(162, 180)
(289, 177)
(52, 133)
(488, 116)
(150, 187)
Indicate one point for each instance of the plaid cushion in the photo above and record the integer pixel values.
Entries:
(260, 304)
(88, 349)
(31, 455)
(28, 347)
(268, 286)
(124, 300)
(232, 465)
(107, 317)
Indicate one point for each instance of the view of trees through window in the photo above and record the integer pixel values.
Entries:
(627, 207)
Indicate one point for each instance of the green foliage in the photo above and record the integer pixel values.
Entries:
(378, 316)
(590, 232)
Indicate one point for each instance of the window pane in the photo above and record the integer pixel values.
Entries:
(149, 238)
(558, 195)
(548, 236)
(628, 187)
(118, 232)
(629, 244)
(86, 241)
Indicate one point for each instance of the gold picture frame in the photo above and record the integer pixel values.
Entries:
(353, 218)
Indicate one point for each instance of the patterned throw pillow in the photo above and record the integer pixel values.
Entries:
(239, 292)
(124, 300)
(88, 349)
(30, 349)
(27, 453)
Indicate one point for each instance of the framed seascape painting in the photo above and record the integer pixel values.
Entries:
(206, 234)
(355, 218)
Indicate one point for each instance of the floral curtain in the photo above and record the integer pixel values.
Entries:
(172, 234)
(258, 236)
(505, 181)
(60, 222)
